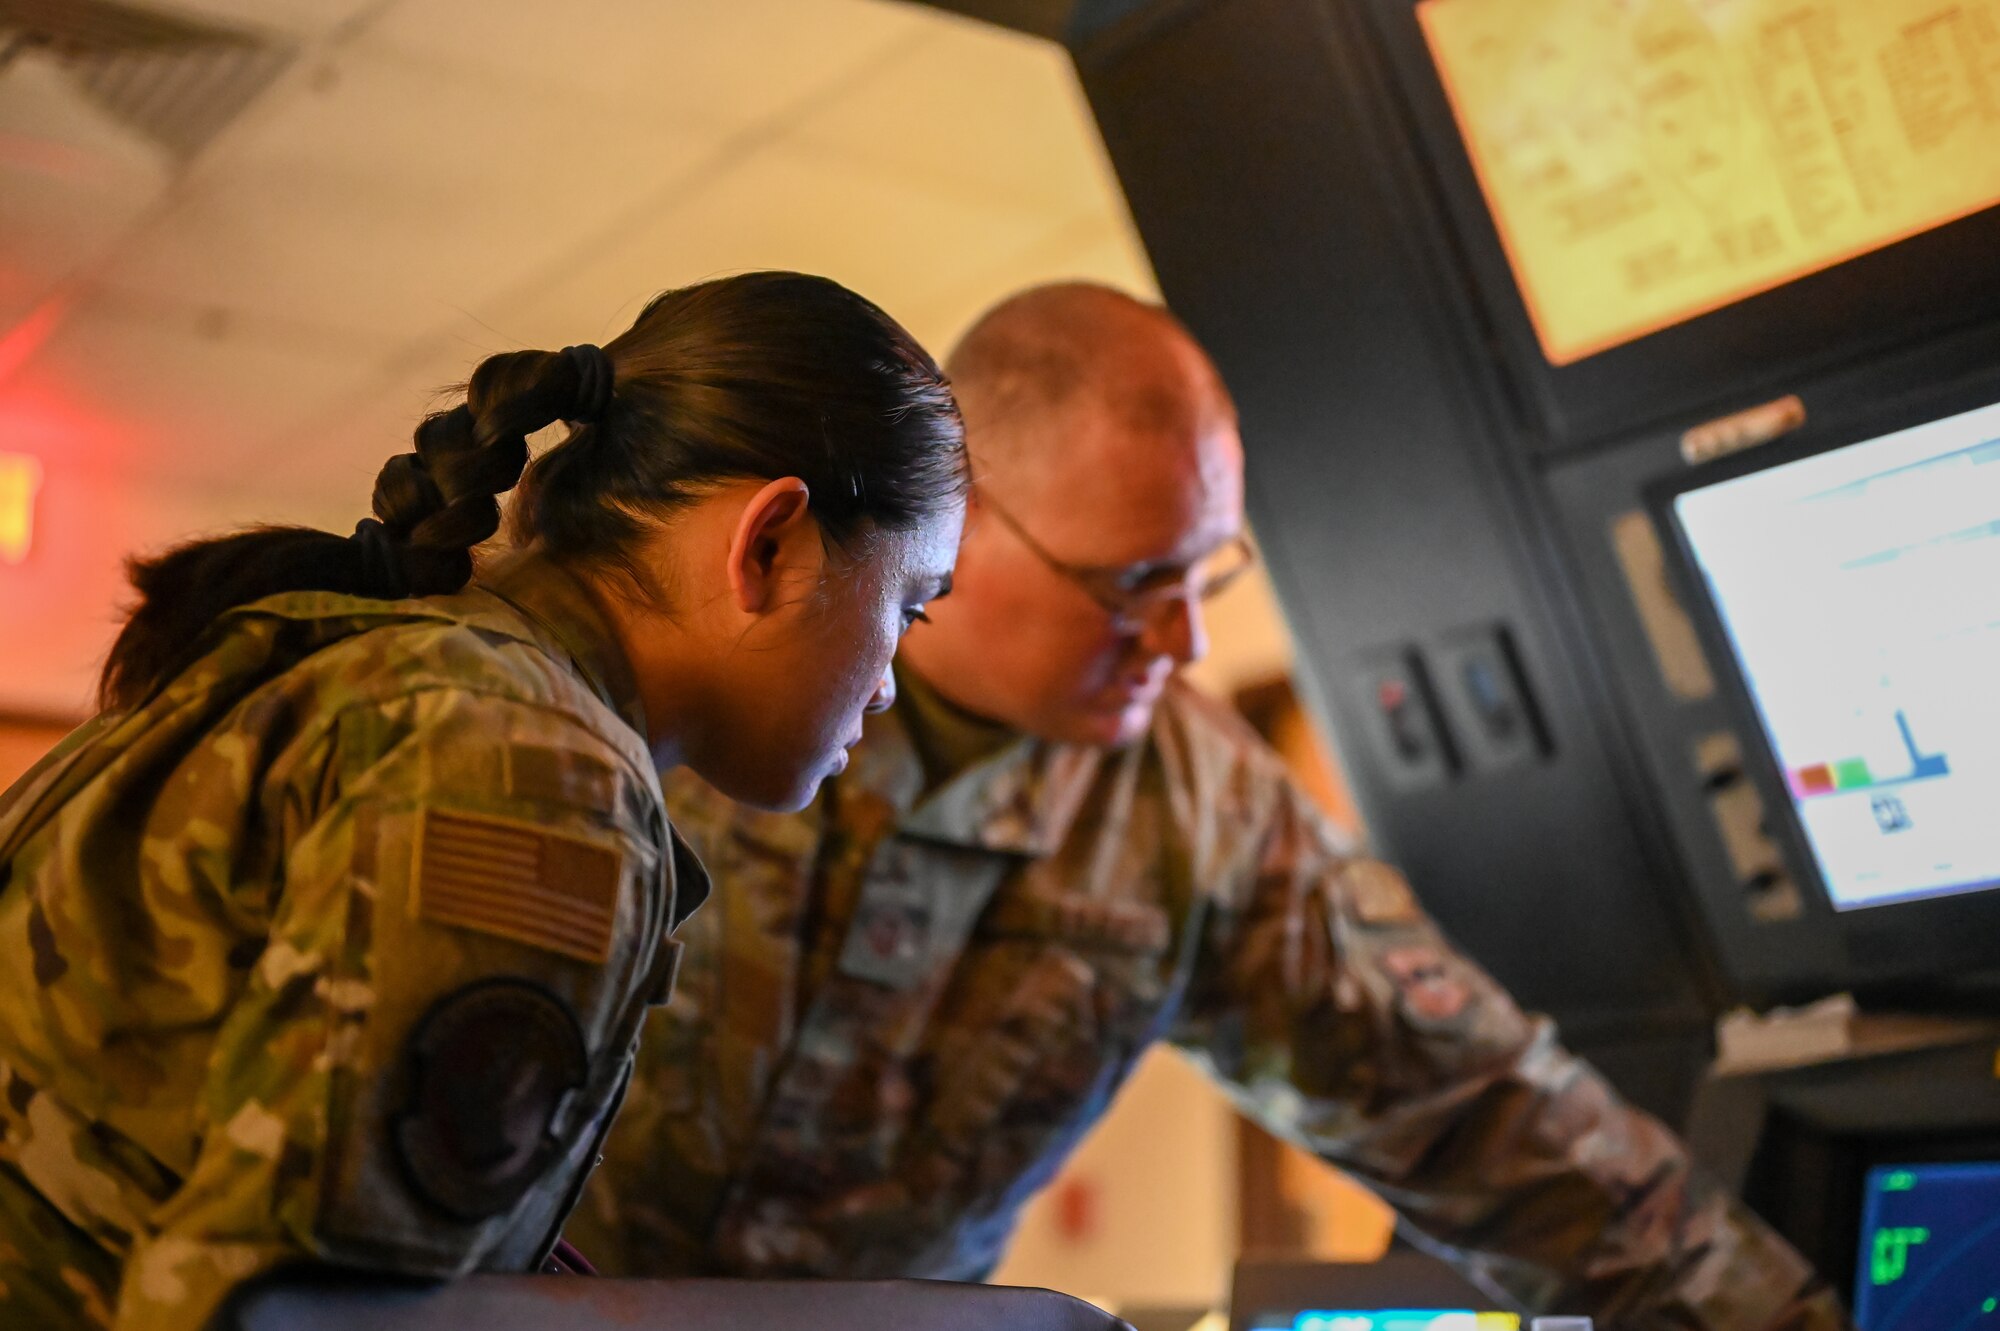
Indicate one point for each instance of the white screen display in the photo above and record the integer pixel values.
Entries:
(1860, 590)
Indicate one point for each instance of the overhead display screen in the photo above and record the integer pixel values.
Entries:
(1647, 161)
(1859, 590)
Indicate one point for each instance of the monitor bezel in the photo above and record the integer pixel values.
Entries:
(1402, 1277)
(1956, 925)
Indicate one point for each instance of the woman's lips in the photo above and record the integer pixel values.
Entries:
(1132, 694)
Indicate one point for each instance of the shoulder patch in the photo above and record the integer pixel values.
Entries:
(1379, 893)
(490, 1070)
(516, 880)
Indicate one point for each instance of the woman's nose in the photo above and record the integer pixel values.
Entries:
(885, 693)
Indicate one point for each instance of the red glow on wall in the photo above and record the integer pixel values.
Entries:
(54, 427)
(25, 338)
(60, 606)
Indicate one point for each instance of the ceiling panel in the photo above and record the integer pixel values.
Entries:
(179, 399)
(1112, 253)
(72, 180)
(783, 207)
(1096, 246)
(735, 61)
(385, 199)
(995, 117)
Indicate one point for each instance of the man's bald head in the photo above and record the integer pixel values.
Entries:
(1105, 461)
(1041, 372)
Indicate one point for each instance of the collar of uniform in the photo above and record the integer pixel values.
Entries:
(1020, 799)
(563, 608)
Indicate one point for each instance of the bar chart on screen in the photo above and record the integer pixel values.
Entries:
(1858, 773)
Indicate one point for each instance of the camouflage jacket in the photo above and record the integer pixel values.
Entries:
(336, 948)
(907, 1009)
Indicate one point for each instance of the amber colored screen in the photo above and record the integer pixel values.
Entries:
(1650, 160)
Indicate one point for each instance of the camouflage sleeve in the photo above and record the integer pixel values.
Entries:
(1345, 1022)
(439, 1022)
(666, 1163)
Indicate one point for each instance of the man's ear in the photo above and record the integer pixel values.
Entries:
(769, 521)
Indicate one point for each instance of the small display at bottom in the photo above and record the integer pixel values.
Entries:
(1406, 1319)
(1930, 1248)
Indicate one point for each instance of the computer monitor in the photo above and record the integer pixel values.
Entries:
(1406, 1290)
(1930, 1247)
(1634, 186)
(1858, 593)
(1888, 1155)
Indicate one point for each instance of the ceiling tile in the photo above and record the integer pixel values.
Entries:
(993, 115)
(736, 61)
(1116, 257)
(1096, 247)
(387, 200)
(189, 400)
(784, 207)
(72, 180)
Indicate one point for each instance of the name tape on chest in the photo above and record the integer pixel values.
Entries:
(1138, 928)
(518, 881)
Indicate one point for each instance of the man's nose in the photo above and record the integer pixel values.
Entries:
(885, 693)
(1177, 630)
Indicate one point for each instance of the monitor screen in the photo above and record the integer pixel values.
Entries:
(1647, 163)
(1404, 1319)
(1930, 1248)
(1859, 590)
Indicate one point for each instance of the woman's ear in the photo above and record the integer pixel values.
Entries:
(769, 523)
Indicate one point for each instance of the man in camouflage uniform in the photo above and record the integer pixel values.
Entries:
(403, 1060)
(915, 997)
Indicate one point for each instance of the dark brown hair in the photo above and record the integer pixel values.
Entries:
(763, 375)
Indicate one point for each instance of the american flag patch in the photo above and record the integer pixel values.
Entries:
(517, 881)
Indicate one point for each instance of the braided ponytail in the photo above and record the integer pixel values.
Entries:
(432, 507)
(766, 374)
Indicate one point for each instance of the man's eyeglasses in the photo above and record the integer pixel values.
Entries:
(1135, 596)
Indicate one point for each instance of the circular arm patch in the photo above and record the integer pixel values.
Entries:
(490, 1068)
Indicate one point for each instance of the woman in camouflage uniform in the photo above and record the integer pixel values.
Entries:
(329, 938)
